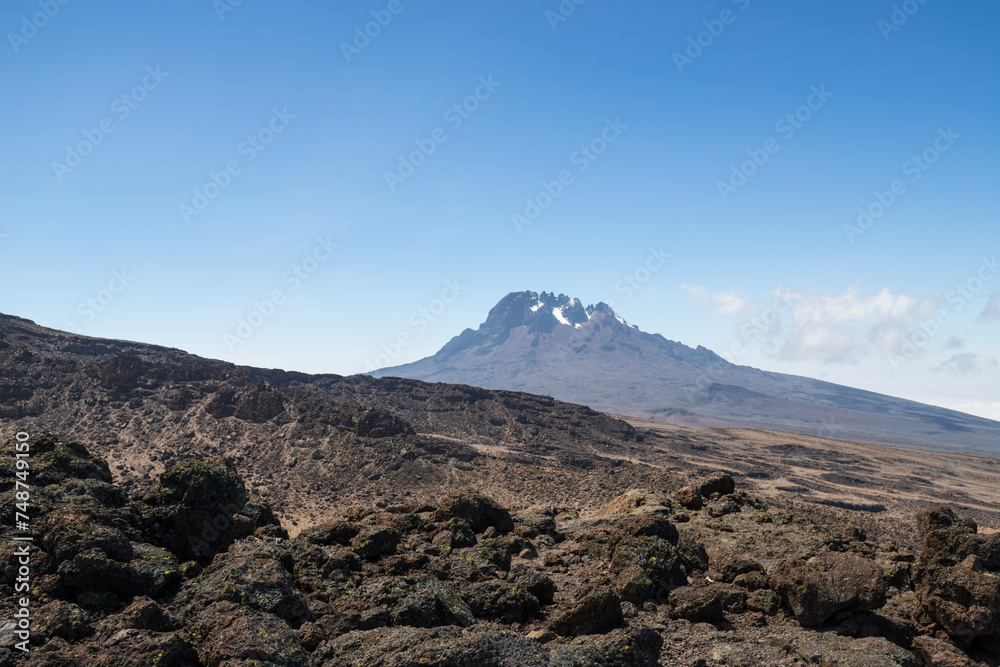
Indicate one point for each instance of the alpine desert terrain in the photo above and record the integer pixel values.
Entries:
(311, 443)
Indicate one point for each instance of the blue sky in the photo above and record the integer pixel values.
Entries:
(170, 169)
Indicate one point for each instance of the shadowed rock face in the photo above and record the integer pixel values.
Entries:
(829, 583)
(538, 586)
(958, 576)
(195, 503)
(478, 510)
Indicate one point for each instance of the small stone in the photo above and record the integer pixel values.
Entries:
(542, 636)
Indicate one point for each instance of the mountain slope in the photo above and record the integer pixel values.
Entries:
(311, 444)
(550, 344)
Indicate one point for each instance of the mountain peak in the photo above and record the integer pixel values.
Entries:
(539, 313)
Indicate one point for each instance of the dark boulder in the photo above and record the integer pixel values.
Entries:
(375, 541)
(830, 582)
(405, 646)
(336, 532)
(717, 483)
(500, 600)
(644, 565)
(964, 598)
(824, 649)
(594, 610)
(194, 506)
(229, 634)
(949, 539)
(145, 614)
(62, 619)
(647, 525)
(479, 510)
(430, 605)
(728, 565)
(252, 580)
(765, 601)
(52, 461)
(689, 497)
(696, 604)
(533, 581)
(956, 577)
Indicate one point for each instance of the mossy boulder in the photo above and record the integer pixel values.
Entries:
(194, 507)
(500, 600)
(594, 610)
(644, 565)
(53, 460)
(62, 619)
(66, 534)
(258, 583)
(226, 633)
(375, 541)
(429, 605)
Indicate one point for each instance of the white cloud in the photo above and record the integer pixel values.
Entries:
(842, 328)
(991, 312)
(966, 363)
(724, 303)
(954, 343)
